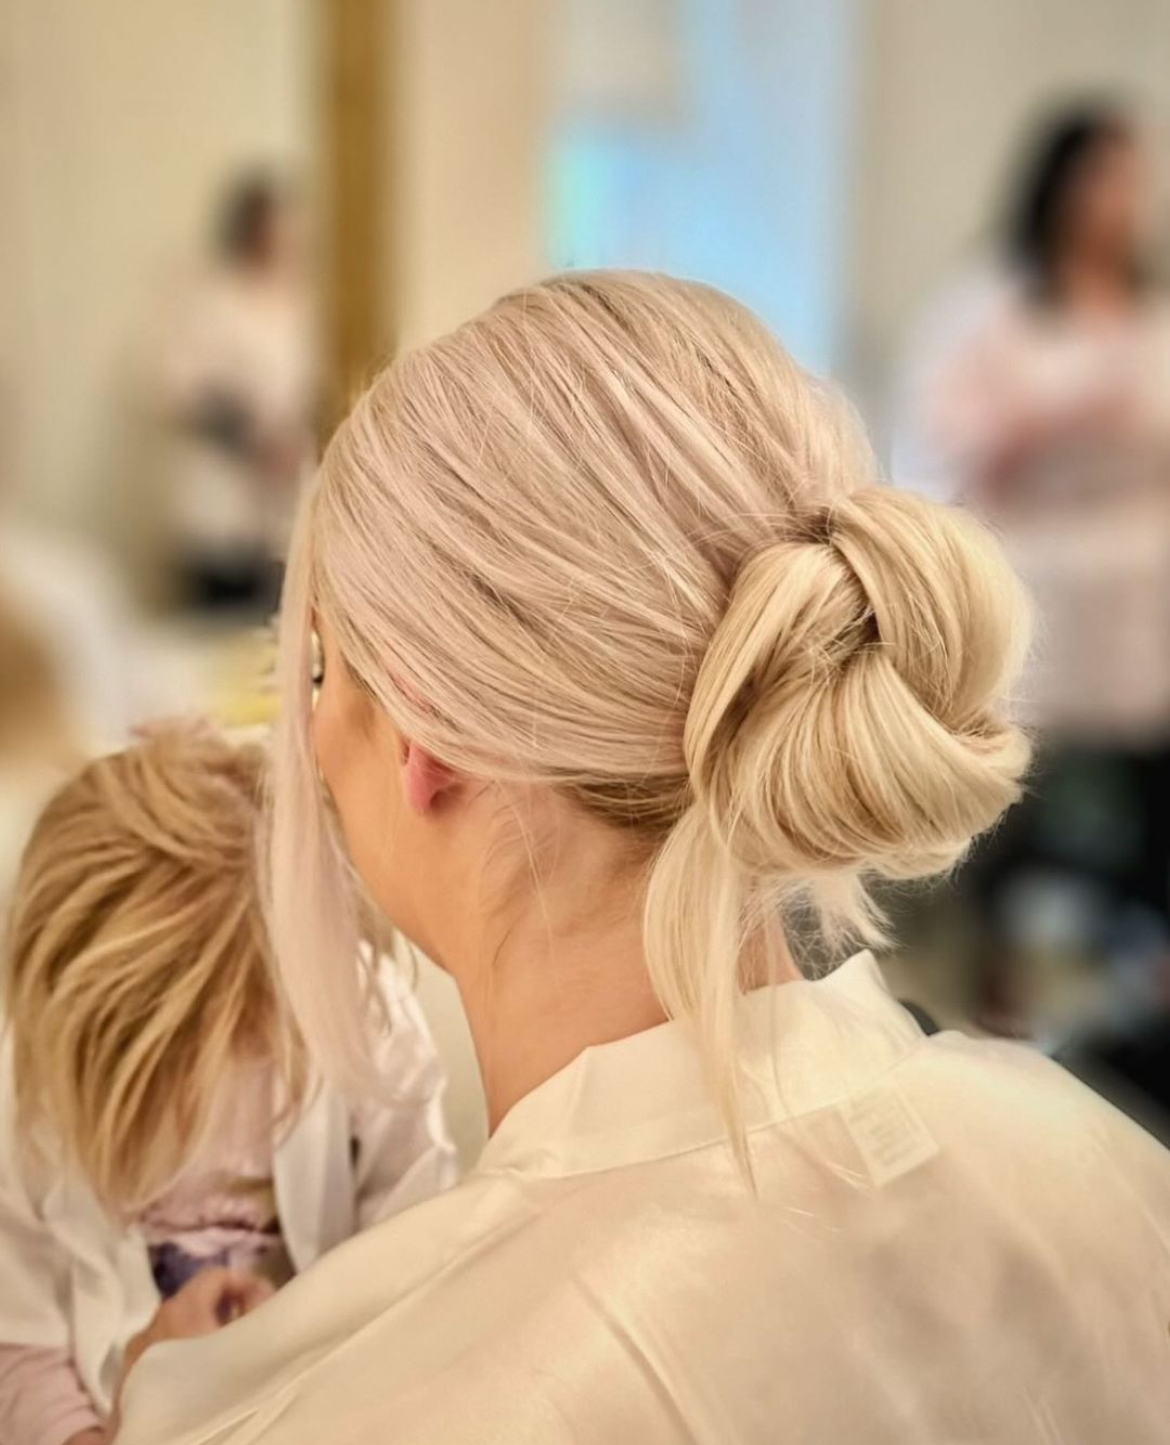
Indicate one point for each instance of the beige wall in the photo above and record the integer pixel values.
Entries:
(467, 116)
(118, 121)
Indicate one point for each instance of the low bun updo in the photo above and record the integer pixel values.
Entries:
(846, 714)
(609, 539)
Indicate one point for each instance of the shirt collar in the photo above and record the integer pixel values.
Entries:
(805, 1045)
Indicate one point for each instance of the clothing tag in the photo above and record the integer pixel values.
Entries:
(889, 1135)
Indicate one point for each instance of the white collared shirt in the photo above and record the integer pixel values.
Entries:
(951, 1241)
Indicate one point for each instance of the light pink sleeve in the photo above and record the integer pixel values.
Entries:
(42, 1399)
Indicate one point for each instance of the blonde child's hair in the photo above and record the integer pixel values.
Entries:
(609, 538)
(138, 971)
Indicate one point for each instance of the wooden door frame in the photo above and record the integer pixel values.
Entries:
(357, 52)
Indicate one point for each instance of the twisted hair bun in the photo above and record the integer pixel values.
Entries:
(845, 716)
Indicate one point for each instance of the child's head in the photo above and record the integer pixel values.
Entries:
(138, 971)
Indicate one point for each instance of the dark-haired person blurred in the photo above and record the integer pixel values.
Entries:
(1041, 396)
(1062, 342)
(232, 376)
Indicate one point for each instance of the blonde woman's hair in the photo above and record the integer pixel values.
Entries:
(609, 538)
(138, 968)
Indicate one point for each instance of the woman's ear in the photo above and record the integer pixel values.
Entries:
(425, 780)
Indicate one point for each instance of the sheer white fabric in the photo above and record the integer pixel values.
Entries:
(951, 1241)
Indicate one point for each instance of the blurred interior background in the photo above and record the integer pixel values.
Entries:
(218, 216)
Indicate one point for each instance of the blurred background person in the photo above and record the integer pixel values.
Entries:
(1041, 397)
(231, 375)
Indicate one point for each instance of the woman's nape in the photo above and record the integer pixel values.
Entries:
(627, 659)
(533, 906)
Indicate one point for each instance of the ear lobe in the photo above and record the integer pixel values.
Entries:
(425, 780)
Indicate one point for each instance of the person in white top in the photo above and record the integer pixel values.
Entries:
(1039, 394)
(231, 375)
(631, 668)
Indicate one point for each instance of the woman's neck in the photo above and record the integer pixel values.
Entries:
(543, 996)
(569, 975)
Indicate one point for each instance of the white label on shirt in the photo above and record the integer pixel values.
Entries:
(889, 1135)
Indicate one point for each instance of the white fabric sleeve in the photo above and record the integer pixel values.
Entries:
(402, 1150)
